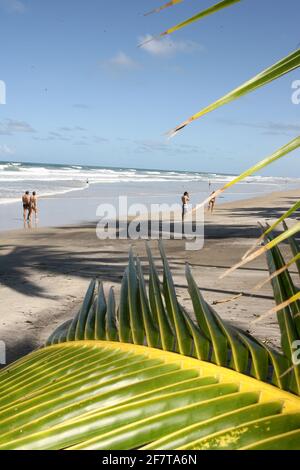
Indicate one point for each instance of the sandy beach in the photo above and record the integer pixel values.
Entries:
(44, 273)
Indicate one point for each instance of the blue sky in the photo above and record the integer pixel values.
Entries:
(79, 90)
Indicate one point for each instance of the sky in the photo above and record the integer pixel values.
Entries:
(80, 91)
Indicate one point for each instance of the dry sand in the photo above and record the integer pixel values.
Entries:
(44, 273)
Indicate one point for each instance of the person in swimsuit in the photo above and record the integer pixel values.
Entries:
(33, 205)
(26, 206)
(211, 204)
(185, 206)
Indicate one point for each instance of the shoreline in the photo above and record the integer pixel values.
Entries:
(81, 205)
(242, 202)
(44, 273)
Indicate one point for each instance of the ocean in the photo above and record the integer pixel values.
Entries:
(51, 180)
(72, 194)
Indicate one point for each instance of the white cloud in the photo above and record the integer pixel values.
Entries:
(166, 47)
(271, 127)
(72, 129)
(13, 6)
(121, 62)
(152, 146)
(100, 140)
(80, 143)
(81, 106)
(11, 126)
(5, 150)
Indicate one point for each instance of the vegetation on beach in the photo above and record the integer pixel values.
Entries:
(146, 374)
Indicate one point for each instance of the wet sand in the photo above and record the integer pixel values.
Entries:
(77, 207)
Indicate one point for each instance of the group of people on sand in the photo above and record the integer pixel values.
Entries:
(186, 199)
(29, 206)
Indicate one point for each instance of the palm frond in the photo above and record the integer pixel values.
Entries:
(294, 247)
(272, 227)
(168, 325)
(288, 315)
(203, 378)
(284, 66)
(295, 259)
(163, 7)
(283, 151)
(271, 244)
(286, 303)
(103, 395)
(202, 14)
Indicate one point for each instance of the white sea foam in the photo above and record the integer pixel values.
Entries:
(49, 180)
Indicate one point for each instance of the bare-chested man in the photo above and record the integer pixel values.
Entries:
(33, 205)
(185, 204)
(26, 205)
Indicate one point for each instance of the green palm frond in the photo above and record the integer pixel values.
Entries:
(289, 302)
(292, 210)
(199, 16)
(283, 151)
(148, 375)
(105, 395)
(284, 66)
(294, 246)
(288, 317)
(202, 14)
(295, 259)
(286, 235)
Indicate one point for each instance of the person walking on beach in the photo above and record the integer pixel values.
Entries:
(33, 205)
(26, 206)
(212, 203)
(185, 204)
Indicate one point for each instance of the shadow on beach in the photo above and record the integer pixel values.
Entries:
(75, 251)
